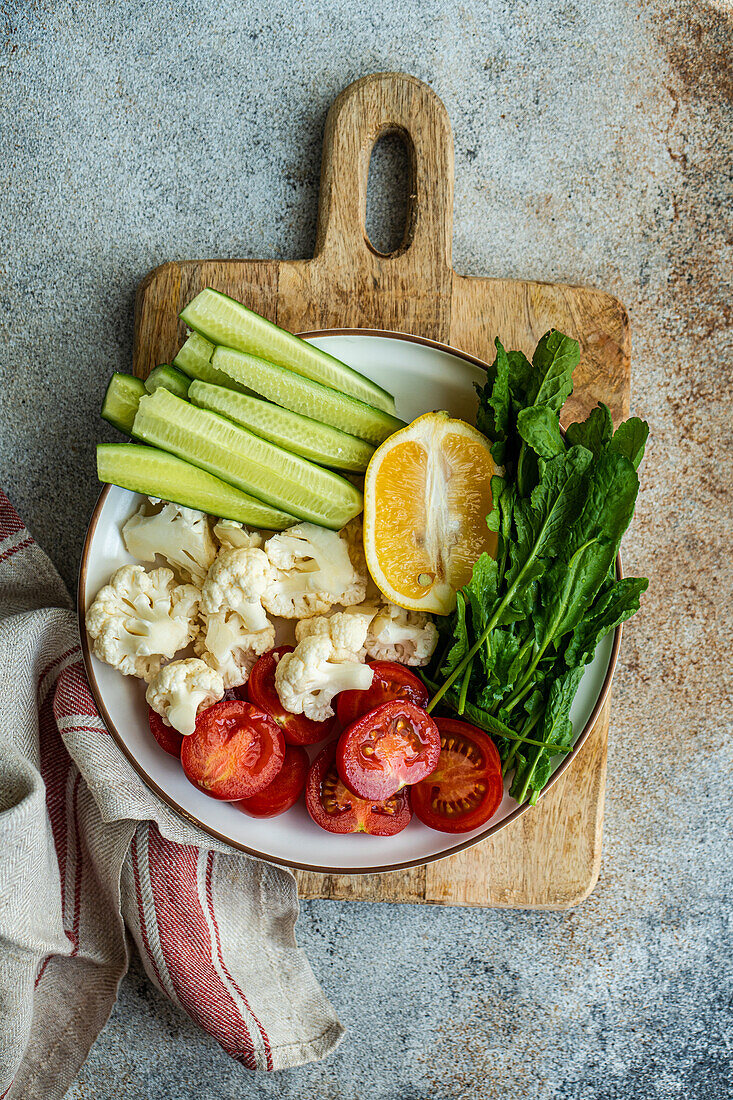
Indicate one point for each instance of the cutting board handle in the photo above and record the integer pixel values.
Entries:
(379, 104)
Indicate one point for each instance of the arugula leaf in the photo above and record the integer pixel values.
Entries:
(534, 704)
(613, 485)
(539, 427)
(543, 521)
(630, 439)
(503, 645)
(499, 399)
(506, 511)
(522, 658)
(498, 486)
(528, 471)
(499, 520)
(542, 524)
(520, 378)
(492, 418)
(480, 592)
(594, 432)
(613, 607)
(553, 362)
(461, 644)
(556, 725)
(533, 769)
(569, 589)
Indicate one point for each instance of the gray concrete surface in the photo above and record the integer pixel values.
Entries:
(592, 145)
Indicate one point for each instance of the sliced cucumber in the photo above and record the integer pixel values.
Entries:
(169, 378)
(121, 400)
(243, 459)
(194, 359)
(159, 474)
(196, 352)
(296, 433)
(225, 321)
(306, 397)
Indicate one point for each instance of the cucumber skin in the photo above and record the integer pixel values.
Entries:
(194, 359)
(308, 398)
(296, 432)
(120, 401)
(171, 478)
(162, 415)
(170, 378)
(253, 334)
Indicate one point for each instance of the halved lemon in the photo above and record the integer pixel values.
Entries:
(427, 493)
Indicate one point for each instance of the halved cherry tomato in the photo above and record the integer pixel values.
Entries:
(235, 751)
(168, 738)
(337, 810)
(261, 690)
(285, 789)
(395, 745)
(391, 681)
(466, 788)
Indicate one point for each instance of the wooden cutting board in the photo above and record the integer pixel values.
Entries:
(550, 857)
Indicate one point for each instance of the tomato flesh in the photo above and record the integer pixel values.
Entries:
(285, 789)
(337, 810)
(391, 681)
(168, 738)
(390, 747)
(235, 751)
(261, 691)
(466, 788)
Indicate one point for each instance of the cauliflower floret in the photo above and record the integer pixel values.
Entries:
(313, 571)
(227, 645)
(308, 678)
(409, 637)
(347, 630)
(183, 688)
(180, 535)
(233, 536)
(237, 581)
(140, 618)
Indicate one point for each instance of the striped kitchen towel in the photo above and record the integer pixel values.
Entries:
(88, 852)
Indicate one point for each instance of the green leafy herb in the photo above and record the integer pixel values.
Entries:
(630, 439)
(553, 362)
(527, 623)
(594, 432)
(461, 645)
(539, 427)
(615, 606)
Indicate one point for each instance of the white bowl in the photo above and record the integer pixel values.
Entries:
(422, 375)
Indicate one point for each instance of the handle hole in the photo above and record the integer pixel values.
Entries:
(388, 203)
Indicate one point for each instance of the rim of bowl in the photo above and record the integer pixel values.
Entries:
(420, 861)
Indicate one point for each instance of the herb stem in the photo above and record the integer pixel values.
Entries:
(527, 729)
(484, 721)
(464, 687)
(514, 698)
(527, 779)
(520, 470)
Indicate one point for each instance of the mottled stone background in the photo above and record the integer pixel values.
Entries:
(593, 145)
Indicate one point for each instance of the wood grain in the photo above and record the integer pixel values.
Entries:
(550, 857)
